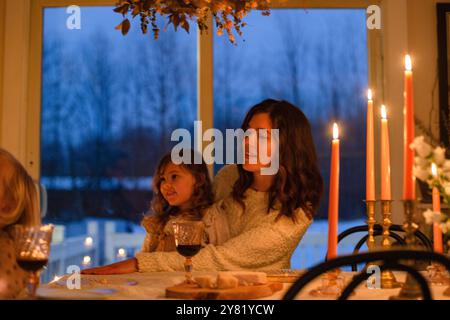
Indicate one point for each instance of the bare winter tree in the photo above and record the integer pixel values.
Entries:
(52, 102)
(294, 51)
(63, 120)
(227, 66)
(99, 88)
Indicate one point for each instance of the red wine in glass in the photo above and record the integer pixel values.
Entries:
(188, 238)
(32, 251)
(188, 250)
(32, 265)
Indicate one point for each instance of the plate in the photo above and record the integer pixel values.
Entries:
(66, 294)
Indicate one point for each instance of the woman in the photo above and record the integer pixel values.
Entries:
(18, 205)
(267, 214)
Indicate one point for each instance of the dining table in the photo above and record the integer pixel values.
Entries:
(152, 286)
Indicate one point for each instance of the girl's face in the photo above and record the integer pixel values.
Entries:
(177, 185)
(254, 151)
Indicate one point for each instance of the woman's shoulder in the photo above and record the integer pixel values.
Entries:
(213, 211)
(299, 219)
(224, 181)
(216, 223)
(228, 170)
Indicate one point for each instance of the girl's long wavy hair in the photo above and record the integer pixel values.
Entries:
(18, 192)
(202, 195)
(298, 183)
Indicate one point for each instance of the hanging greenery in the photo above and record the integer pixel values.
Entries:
(228, 15)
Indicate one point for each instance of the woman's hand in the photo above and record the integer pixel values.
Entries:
(123, 267)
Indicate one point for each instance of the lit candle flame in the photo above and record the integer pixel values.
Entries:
(434, 170)
(383, 112)
(408, 63)
(86, 260)
(369, 94)
(122, 252)
(88, 241)
(335, 131)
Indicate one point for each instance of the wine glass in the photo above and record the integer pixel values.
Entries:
(32, 245)
(188, 241)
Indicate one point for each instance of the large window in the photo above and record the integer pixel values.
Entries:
(109, 105)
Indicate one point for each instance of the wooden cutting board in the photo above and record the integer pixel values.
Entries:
(192, 291)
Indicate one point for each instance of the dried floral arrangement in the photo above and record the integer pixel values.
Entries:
(228, 15)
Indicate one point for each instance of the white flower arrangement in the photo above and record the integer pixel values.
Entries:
(426, 155)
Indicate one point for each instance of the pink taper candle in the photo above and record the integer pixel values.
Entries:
(370, 166)
(333, 205)
(385, 157)
(437, 232)
(409, 192)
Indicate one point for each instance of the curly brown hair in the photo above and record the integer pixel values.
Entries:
(298, 183)
(202, 195)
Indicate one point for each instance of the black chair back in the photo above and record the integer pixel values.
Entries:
(378, 231)
(392, 259)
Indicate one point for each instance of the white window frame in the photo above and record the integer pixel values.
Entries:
(26, 135)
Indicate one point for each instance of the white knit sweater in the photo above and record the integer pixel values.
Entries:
(258, 241)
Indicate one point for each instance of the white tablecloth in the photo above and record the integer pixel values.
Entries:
(152, 286)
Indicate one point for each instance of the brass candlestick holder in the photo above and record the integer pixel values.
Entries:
(370, 210)
(388, 280)
(410, 289)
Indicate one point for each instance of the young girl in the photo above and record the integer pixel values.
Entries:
(18, 205)
(181, 192)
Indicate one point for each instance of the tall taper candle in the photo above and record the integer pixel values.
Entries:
(333, 205)
(385, 157)
(409, 192)
(370, 166)
(437, 232)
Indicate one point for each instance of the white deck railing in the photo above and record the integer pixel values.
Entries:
(72, 251)
(114, 241)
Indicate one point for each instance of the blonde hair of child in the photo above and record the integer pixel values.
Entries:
(19, 193)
